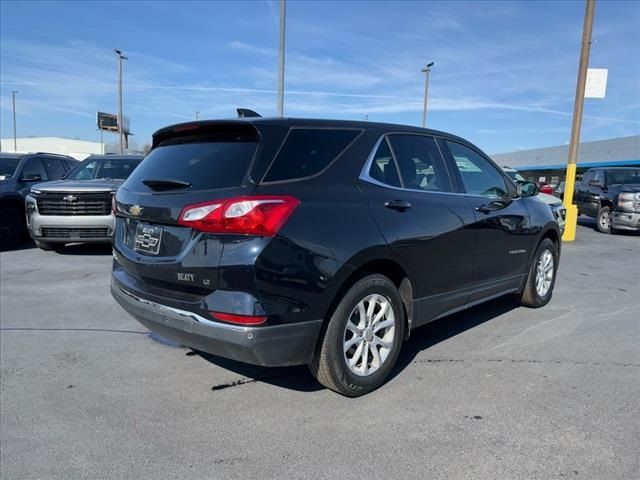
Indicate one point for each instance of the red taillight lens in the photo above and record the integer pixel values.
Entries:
(260, 215)
(239, 319)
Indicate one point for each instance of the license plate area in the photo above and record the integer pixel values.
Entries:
(148, 239)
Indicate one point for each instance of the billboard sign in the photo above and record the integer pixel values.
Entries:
(109, 122)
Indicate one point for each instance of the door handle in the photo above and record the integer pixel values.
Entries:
(399, 205)
(491, 207)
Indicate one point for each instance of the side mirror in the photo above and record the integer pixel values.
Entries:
(528, 189)
(31, 178)
(596, 183)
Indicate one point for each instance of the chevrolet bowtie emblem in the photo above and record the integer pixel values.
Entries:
(70, 198)
(135, 210)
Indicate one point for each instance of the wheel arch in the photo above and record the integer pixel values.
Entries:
(383, 265)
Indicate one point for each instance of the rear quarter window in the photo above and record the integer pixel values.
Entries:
(308, 151)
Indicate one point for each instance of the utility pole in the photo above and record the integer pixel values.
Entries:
(15, 137)
(283, 14)
(121, 57)
(101, 139)
(197, 115)
(572, 210)
(426, 70)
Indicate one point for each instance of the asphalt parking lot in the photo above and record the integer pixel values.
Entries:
(496, 392)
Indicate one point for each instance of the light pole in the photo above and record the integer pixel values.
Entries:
(197, 115)
(15, 137)
(426, 70)
(572, 210)
(280, 105)
(121, 57)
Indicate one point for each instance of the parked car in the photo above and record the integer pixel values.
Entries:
(78, 208)
(558, 209)
(289, 241)
(18, 172)
(612, 197)
(559, 191)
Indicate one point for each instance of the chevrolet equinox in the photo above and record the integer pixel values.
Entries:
(288, 241)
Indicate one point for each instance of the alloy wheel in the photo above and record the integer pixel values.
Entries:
(369, 335)
(544, 272)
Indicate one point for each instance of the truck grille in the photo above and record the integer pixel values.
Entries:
(75, 233)
(74, 203)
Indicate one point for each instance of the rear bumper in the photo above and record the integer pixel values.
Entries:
(271, 346)
(625, 220)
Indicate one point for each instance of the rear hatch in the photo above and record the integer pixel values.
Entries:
(189, 165)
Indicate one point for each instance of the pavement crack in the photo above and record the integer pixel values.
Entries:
(524, 360)
(246, 380)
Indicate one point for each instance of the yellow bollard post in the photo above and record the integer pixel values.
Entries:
(571, 220)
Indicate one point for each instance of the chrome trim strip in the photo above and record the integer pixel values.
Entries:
(180, 313)
(364, 174)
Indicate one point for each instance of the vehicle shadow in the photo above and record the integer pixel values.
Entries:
(448, 327)
(96, 249)
(293, 378)
(26, 244)
(300, 379)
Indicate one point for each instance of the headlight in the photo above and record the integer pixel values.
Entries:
(36, 192)
(628, 201)
(559, 211)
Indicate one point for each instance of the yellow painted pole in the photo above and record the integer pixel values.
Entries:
(570, 180)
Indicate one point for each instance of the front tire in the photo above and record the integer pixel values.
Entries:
(603, 220)
(542, 276)
(11, 228)
(362, 340)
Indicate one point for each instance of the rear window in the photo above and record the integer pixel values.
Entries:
(308, 151)
(205, 165)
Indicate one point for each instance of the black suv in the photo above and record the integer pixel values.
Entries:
(285, 241)
(18, 172)
(612, 197)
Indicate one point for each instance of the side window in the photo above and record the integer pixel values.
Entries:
(586, 178)
(420, 163)
(383, 168)
(479, 176)
(53, 166)
(598, 176)
(307, 151)
(33, 167)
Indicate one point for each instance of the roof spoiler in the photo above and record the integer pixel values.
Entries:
(246, 113)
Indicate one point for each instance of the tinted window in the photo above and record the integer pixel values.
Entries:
(204, 165)
(8, 166)
(53, 166)
(383, 168)
(420, 163)
(479, 176)
(308, 151)
(623, 177)
(105, 168)
(33, 167)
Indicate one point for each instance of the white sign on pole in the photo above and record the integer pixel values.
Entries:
(596, 83)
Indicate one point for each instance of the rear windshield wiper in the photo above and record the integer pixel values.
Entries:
(165, 183)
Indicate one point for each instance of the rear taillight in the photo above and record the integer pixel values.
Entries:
(239, 319)
(260, 215)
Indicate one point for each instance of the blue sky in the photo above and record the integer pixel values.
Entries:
(504, 74)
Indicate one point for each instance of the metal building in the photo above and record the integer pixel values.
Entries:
(548, 165)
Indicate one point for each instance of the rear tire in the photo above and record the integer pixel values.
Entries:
(356, 353)
(542, 276)
(11, 228)
(603, 220)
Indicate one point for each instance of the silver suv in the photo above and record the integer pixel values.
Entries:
(78, 208)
